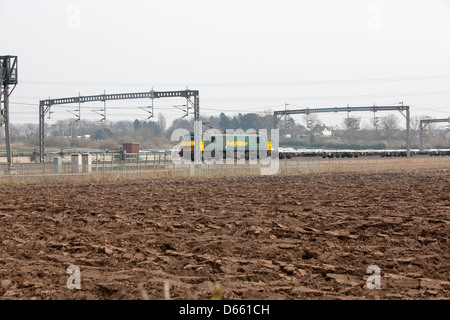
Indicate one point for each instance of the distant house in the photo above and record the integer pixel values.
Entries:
(326, 131)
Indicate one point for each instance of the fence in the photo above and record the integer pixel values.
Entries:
(116, 169)
(363, 165)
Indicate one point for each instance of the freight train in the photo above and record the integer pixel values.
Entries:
(288, 153)
(251, 145)
(236, 145)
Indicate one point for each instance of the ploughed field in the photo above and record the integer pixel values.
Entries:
(270, 237)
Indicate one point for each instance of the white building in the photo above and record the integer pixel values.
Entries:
(326, 132)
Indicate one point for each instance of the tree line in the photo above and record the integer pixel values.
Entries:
(155, 134)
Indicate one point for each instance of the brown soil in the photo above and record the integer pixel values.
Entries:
(278, 237)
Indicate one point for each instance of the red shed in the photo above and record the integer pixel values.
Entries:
(131, 147)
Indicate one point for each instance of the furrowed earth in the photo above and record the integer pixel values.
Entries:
(271, 237)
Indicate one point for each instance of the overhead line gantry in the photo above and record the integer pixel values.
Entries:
(8, 76)
(424, 122)
(400, 108)
(45, 105)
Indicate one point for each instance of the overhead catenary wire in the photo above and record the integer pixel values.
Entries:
(257, 109)
(210, 109)
(242, 84)
(403, 95)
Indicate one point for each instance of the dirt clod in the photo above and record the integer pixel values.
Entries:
(270, 237)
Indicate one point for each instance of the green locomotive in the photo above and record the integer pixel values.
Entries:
(236, 145)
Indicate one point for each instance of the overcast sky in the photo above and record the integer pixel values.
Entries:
(243, 56)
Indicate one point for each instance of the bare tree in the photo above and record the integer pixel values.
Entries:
(374, 128)
(415, 128)
(389, 125)
(429, 131)
(352, 126)
(442, 138)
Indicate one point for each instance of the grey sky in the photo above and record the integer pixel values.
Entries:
(243, 56)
